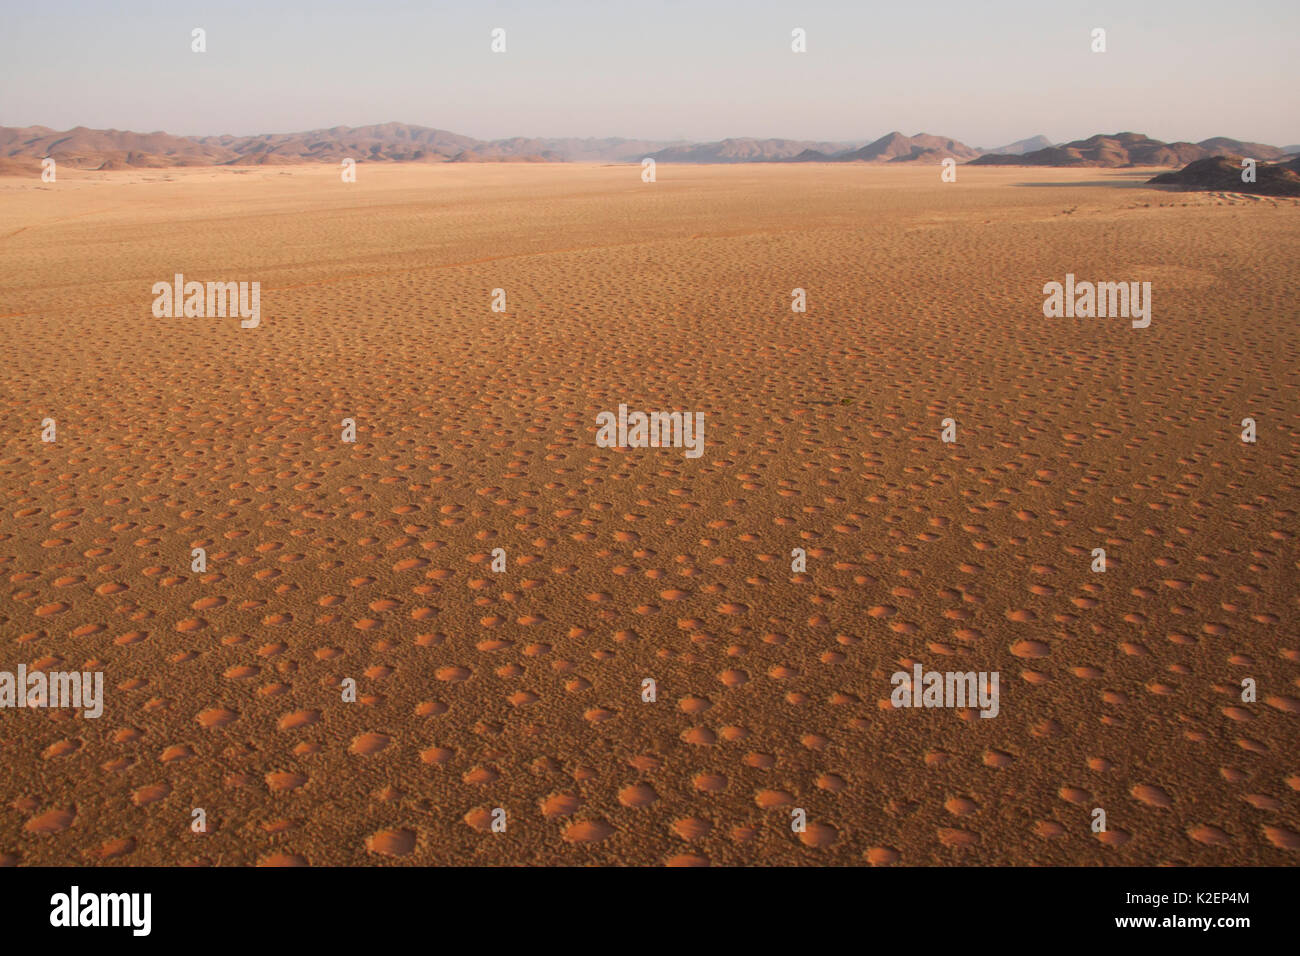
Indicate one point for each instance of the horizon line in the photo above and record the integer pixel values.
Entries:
(670, 141)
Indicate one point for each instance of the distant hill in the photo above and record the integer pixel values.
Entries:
(605, 150)
(1223, 173)
(1129, 149)
(811, 156)
(492, 156)
(893, 148)
(890, 146)
(747, 150)
(1223, 146)
(1022, 146)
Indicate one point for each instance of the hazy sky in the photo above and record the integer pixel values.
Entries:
(985, 73)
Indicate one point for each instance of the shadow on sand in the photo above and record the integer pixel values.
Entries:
(1136, 183)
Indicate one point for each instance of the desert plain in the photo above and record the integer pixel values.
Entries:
(522, 689)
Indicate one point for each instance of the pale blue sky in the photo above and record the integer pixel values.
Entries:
(983, 72)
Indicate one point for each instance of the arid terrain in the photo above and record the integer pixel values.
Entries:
(475, 430)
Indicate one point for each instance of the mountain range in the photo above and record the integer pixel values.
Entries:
(22, 149)
(1130, 149)
(85, 148)
(893, 147)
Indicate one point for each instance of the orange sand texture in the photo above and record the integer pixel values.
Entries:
(476, 430)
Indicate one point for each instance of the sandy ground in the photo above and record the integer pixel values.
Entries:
(476, 430)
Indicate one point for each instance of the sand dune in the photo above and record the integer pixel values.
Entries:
(521, 691)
